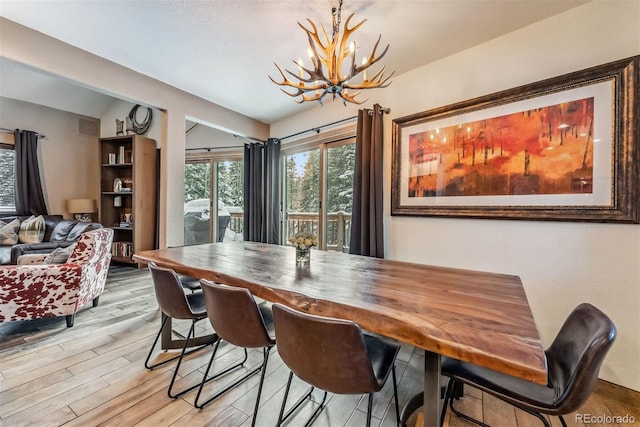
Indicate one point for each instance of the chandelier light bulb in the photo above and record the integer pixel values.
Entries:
(364, 72)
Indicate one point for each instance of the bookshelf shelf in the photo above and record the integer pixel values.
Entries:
(137, 175)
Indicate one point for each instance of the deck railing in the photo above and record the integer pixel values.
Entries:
(338, 227)
(236, 223)
(338, 230)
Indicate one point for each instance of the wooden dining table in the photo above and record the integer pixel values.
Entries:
(475, 316)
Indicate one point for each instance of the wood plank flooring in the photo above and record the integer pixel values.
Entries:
(93, 374)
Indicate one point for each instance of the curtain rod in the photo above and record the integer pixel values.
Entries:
(317, 128)
(383, 110)
(11, 131)
(214, 148)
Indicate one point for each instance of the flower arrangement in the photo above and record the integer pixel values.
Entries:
(303, 241)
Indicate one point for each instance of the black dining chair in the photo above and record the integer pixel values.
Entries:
(573, 361)
(333, 355)
(176, 304)
(190, 283)
(238, 320)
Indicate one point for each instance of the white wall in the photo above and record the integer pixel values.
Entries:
(204, 136)
(62, 177)
(561, 263)
(34, 49)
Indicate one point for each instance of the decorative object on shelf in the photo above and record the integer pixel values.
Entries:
(129, 126)
(127, 185)
(82, 209)
(121, 158)
(326, 74)
(117, 185)
(303, 242)
(117, 202)
(134, 126)
(119, 127)
(127, 217)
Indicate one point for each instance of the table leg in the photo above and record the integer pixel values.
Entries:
(167, 342)
(431, 389)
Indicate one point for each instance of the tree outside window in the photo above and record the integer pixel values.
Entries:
(7, 178)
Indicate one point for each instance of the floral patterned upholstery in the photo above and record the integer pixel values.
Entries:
(37, 291)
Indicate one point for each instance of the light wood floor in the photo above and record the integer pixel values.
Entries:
(93, 374)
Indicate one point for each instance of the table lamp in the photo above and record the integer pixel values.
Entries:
(82, 209)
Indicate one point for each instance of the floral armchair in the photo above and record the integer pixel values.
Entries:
(36, 291)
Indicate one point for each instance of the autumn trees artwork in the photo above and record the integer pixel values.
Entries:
(548, 150)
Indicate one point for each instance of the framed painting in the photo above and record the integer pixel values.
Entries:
(561, 149)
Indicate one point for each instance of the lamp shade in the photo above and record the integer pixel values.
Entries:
(81, 205)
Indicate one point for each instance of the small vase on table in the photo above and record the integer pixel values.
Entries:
(303, 256)
(303, 243)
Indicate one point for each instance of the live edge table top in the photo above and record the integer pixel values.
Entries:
(478, 317)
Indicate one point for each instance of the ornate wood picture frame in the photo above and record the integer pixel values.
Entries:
(562, 149)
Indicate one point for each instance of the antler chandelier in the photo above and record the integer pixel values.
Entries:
(325, 76)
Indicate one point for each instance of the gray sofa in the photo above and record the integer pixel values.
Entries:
(58, 233)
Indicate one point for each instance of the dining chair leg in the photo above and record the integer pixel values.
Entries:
(539, 416)
(369, 408)
(465, 416)
(182, 353)
(284, 400)
(395, 394)
(265, 352)
(155, 342)
(447, 396)
(221, 373)
(319, 409)
(282, 418)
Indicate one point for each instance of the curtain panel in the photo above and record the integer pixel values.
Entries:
(262, 194)
(29, 195)
(366, 224)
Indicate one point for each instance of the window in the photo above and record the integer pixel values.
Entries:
(318, 193)
(199, 225)
(7, 178)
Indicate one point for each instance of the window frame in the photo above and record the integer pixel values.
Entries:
(7, 143)
(332, 139)
(213, 159)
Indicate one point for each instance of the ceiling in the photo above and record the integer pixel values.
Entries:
(223, 50)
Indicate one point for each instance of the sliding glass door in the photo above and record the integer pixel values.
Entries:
(302, 192)
(197, 206)
(225, 224)
(318, 193)
(339, 194)
(230, 198)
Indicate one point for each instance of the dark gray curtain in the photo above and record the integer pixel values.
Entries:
(262, 198)
(366, 226)
(29, 196)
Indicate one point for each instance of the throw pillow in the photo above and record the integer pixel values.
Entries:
(9, 232)
(59, 255)
(32, 230)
